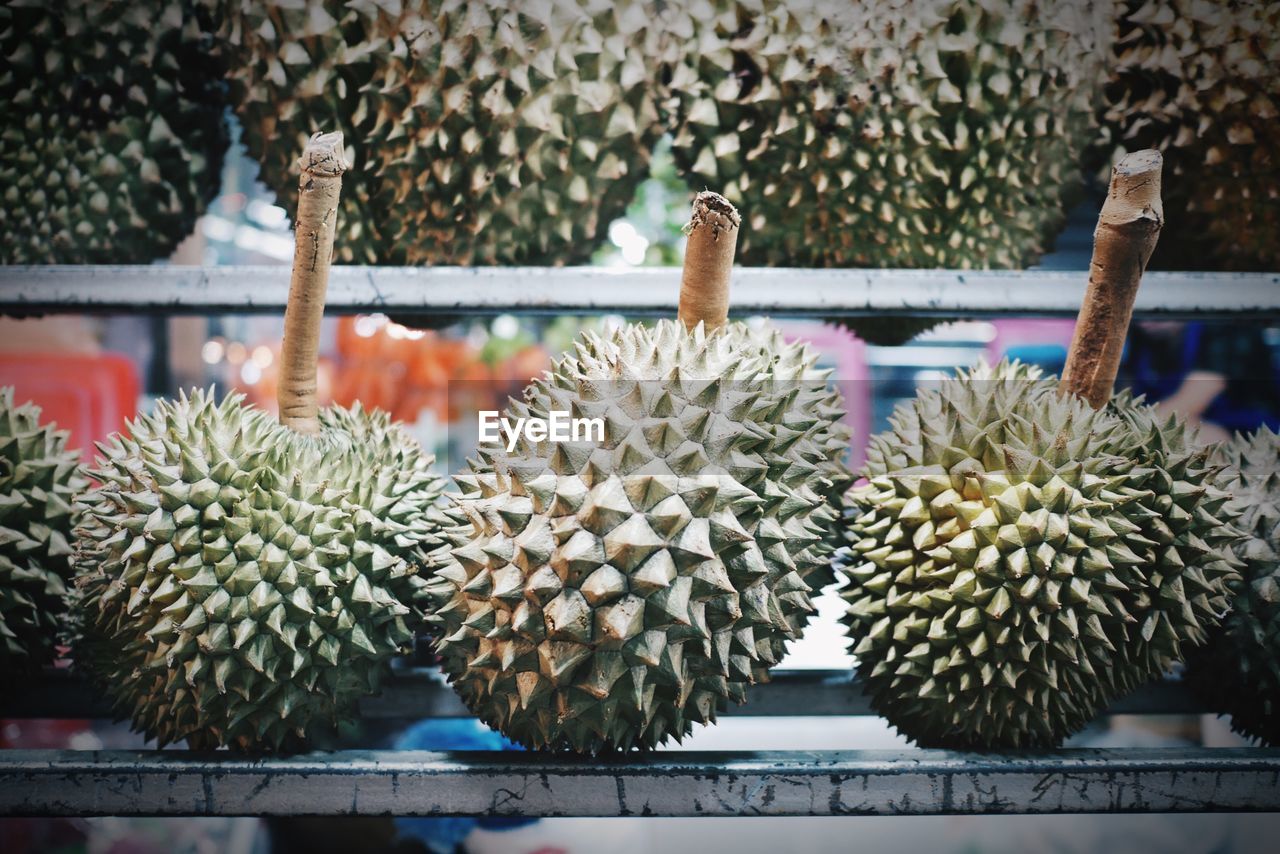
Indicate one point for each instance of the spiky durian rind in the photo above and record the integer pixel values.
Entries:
(242, 585)
(610, 595)
(1196, 80)
(483, 132)
(1238, 671)
(113, 133)
(895, 134)
(1019, 560)
(39, 479)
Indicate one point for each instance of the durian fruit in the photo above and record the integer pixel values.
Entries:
(245, 580)
(113, 132)
(1238, 670)
(910, 133)
(488, 133)
(1024, 551)
(39, 478)
(1197, 80)
(1017, 563)
(611, 594)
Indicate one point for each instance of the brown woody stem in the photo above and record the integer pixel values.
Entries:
(708, 261)
(1128, 228)
(318, 190)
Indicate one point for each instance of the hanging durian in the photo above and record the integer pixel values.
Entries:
(1197, 80)
(1024, 551)
(491, 133)
(39, 479)
(112, 134)
(246, 580)
(611, 594)
(912, 133)
(1238, 670)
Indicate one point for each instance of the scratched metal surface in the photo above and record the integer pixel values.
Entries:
(798, 783)
(411, 694)
(166, 289)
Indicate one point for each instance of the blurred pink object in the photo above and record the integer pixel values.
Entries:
(845, 354)
(1029, 332)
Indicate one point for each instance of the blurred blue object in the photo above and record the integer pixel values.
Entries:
(444, 835)
(1052, 358)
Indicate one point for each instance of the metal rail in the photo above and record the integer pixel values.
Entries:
(794, 783)
(412, 694)
(163, 289)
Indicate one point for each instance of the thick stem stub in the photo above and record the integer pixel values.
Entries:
(318, 190)
(1128, 228)
(708, 261)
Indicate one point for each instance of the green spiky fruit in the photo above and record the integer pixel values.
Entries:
(39, 479)
(609, 595)
(1238, 670)
(244, 584)
(1019, 560)
(112, 135)
(481, 132)
(1197, 81)
(903, 134)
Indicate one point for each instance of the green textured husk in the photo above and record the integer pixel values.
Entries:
(241, 585)
(39, 478)
(1019, 560)
(605, 596)
(1196, 80)
(1238, 671)
(113, 132)
(482, 133)
(901, 134)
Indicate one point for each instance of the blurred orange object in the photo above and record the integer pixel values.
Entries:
(352, 345)
(262, 393)
(433, 364)
(387, 366)
(89, 395)
(374, 337)
(524, 366)
(374, 384)
(410, 405)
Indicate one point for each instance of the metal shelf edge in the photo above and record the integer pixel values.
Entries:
(168, 289)
(903, 782)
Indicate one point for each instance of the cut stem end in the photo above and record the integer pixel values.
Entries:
(708, 261)
(1128, 228)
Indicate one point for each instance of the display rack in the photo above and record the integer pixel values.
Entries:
(671, 783)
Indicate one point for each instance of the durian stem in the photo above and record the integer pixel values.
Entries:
(318, 190)
(708, 261)
(1128, 228)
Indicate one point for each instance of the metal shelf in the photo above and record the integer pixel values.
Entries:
(794, 783)
(415, 693)
(164, 289)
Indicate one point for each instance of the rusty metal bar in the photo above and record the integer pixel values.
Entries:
(164, 289)
(908, 782)
(411, 694)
